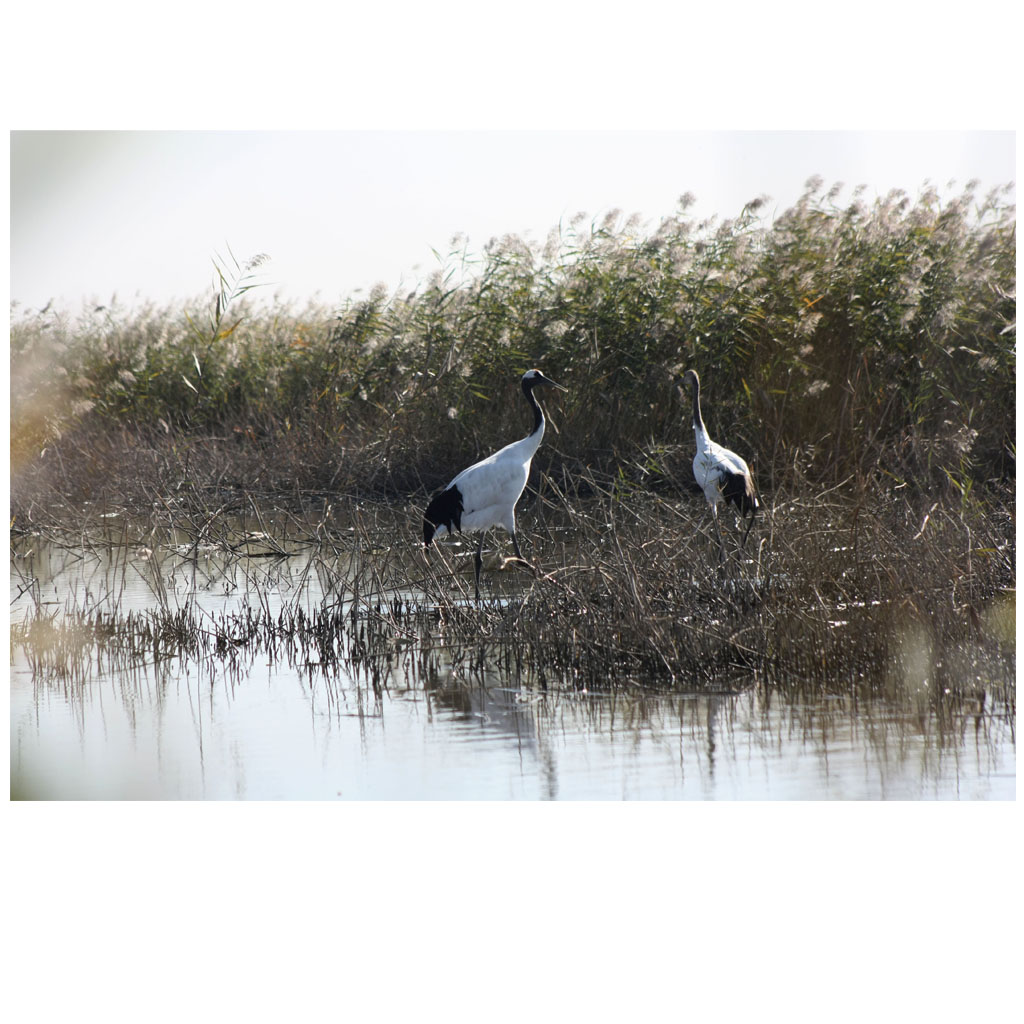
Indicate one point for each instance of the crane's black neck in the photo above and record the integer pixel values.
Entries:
(698, 420)
(538, 413)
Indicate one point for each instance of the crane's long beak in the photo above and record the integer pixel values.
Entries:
(548, 380)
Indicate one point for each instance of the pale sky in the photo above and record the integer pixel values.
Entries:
(143, 214)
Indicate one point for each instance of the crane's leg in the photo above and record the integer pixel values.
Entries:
(721, 540)
(743, 543)
(515, 546)
(478, 561)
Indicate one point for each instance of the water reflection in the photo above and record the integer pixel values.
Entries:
(173, 732)
(273, 720)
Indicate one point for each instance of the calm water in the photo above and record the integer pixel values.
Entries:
(261, 727)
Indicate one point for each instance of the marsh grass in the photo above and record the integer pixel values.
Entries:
(864, 342)
(625, 592)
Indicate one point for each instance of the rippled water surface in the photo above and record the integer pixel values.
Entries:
(260, 726)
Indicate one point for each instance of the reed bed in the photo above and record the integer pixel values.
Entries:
(844, 340)
(625, 592)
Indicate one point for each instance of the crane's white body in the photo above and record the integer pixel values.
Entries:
(713, 466)
(491, 487)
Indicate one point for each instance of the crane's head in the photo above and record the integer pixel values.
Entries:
(690, 378)
(534, 377)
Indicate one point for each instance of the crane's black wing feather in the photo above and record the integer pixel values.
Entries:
(444, 510)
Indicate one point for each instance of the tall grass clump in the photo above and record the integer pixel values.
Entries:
(863, 344)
